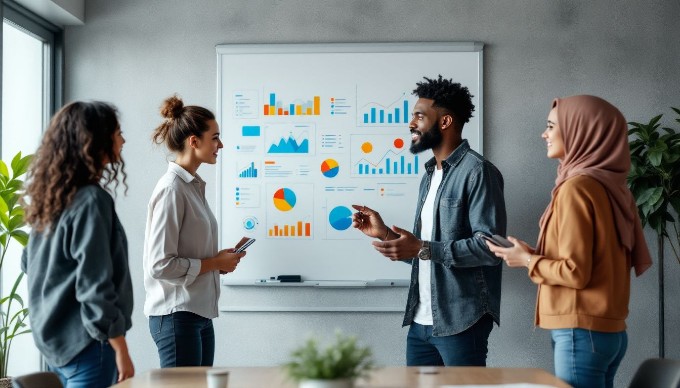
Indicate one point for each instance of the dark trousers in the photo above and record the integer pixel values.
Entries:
(183, 339)
(468, 348)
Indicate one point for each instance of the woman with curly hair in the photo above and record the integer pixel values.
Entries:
(76, 260)
(182, 263)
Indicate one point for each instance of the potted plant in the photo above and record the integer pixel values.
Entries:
(654, 180)
(337, 366)
(13, 314)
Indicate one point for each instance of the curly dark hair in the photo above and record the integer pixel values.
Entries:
(453, 97)
(180, 122)
(75, 151)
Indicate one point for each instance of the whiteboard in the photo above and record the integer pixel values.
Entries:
(310, 129)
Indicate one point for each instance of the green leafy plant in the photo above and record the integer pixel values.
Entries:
(13, 314)
(654, 180)
(343, 359)
(654, 177)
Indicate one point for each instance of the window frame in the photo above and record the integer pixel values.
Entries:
(53, 55)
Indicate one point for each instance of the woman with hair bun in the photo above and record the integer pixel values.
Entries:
(182, 263)
(76, 260)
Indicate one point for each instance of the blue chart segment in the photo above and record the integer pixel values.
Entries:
(340, 218)
(290, 146)
(374, 113)
(250, 130)
(382, 155)
(330, 168)
(289, 139)
(249, 172)
(250, 223)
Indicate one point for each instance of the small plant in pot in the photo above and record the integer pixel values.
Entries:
(336, 366)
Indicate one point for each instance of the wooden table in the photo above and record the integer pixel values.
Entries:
(388, 377)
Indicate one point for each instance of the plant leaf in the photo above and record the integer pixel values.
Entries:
(21, 237)
(3, 169)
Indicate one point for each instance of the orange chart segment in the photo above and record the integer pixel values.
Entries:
(284, 199)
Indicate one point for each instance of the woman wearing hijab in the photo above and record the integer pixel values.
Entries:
(590, 238)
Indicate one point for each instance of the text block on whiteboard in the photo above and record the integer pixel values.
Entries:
(310, 129)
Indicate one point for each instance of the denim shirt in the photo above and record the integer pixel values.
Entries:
(466, 276)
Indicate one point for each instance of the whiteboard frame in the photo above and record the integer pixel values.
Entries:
(303, 48)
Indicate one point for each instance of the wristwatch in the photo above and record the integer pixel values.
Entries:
(424, 252)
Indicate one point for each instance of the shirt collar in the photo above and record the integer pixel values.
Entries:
(182, 173)
(453, 159)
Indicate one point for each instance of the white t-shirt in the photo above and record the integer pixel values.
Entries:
(424, 309)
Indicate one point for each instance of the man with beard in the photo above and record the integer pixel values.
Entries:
(455, 288)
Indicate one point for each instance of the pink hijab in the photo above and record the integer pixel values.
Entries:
(596, 144)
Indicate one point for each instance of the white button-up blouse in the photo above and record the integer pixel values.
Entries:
(180, 232)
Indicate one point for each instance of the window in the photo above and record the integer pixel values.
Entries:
(31, 90)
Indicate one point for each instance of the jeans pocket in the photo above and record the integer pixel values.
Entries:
(69, 370)
(157, 322)
(604, 344)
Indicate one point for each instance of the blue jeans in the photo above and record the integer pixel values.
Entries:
(586, 358)
(183, 339)
(93, 367)
(468, 348)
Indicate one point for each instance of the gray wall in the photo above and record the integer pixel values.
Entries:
(135, 53)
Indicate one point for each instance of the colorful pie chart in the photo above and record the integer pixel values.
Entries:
(284, 199)
(340, 218)
(330, 168)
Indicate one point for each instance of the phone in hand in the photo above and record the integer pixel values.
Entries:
(243, 244)
(496, 240)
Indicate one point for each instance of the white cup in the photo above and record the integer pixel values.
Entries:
(218, 378)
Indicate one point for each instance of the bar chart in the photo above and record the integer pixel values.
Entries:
(382, 155)
(375, 113)
(248, 172)
(296, 108)
(296, 229)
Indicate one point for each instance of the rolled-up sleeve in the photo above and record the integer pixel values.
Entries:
(90, 247)
(165, 220)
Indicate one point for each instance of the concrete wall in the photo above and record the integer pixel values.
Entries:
(136, 53)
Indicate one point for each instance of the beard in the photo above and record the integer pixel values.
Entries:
(428, 140)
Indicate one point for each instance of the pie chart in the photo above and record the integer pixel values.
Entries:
(330, 168)
(284, 199)
(340, 218)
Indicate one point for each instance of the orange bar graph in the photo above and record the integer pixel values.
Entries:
(298, 109)
(309, 112)
(317, 105)
(280, 111)
(299, 229)
(266, 110)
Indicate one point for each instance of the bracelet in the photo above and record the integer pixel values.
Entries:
(386, 234)
(528, 261)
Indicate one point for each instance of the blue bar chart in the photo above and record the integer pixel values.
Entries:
(249, 172)
(376, 113)
(382, 155)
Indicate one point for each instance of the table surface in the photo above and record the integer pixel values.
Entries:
(387, 377)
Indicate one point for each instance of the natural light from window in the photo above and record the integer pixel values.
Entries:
(22, 124)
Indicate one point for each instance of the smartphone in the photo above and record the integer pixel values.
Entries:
(496, 240)
(246, 244)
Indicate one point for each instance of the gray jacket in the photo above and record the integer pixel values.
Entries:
(79, 286)
(466, 276)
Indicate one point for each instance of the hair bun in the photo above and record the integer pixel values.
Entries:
(172, 107)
